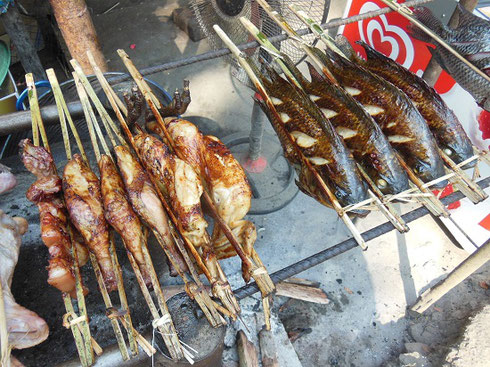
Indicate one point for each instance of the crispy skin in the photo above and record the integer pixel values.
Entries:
(328, 154)
(441, 119)
(45, 192)
(231, 194)
(400, 120)
(187, 138)
(361, 134)
(145, 200)
(183, 188)
(84, 203)
(119, 213)
(37, 160)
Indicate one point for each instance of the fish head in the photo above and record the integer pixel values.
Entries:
(429, 170)
(458, 150)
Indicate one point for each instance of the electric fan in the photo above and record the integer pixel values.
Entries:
(270, 175)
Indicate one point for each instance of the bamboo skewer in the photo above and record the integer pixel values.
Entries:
(167, 329)
(195, 288)
(406, 13)
(244, 62)
(432, 203)
(294, 36)
(83, 339)
(105, 295)
(316, 29)
(257, 272)
(385, 208)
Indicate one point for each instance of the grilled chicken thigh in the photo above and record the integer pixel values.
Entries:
(145, 200)
(84, 203)
(119, 213)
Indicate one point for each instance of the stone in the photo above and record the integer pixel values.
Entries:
(414, 359)
(421, 348)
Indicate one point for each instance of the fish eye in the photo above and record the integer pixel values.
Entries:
(416, 170)
(448, 151)
(382, 183)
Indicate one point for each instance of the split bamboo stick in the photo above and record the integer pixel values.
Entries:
(195, 289)
(83, 338)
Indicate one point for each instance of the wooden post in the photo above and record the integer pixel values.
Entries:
(460, 273)
(78, 31)
(21, 39)
(247, 354)
(433, 70)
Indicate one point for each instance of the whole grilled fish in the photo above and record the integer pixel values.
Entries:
(394, 112)
(318, 141)
(471, 38)
(442, 121)
(360, 132)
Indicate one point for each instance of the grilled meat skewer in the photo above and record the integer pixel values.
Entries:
(120, 215)
(395, 113)
(183, 189)
(45, 192)
(224, 178)
(441, 119)
(84, 203)
(318, 141)
(360, 132)
(145, 201)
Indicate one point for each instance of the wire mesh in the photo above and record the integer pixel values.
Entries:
(227, 13)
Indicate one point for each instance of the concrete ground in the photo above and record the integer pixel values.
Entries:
(366, 323)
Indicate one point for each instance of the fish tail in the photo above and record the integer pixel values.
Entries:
(344, 45)
(315, 76)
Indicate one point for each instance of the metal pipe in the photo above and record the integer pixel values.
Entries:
(347, 245)
(21, 121)
(9, 123)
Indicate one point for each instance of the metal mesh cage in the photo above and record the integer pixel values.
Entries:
(227, 13)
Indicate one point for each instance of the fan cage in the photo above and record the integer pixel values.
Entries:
(209, 12)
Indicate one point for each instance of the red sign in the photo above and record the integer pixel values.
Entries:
(388, 34)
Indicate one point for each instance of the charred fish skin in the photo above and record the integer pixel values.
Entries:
(360, 132)
(394, 112)
(317, 139)
(441, 120)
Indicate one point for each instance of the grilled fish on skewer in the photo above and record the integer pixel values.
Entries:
(183, 190)
(145, 200)
(395, 113)
(45, 192)
(442, 121)
(471, 38)
(84, 203)
(317, 139)
(232, 196)
(120, 215)
(361, 134)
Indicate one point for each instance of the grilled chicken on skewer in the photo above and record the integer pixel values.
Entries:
(46, 193)
(84, 203)
(223, 176)
(396, 114)
(120, 215)
(182, 188)
(232, 196)
(145, 200)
